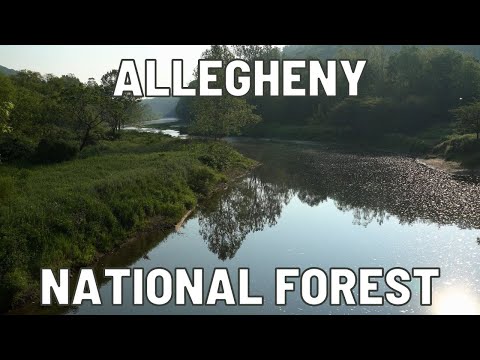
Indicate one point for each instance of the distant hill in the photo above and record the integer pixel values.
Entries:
(162, 106)
(6, 71)
(330, 51)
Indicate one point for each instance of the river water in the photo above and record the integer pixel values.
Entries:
(144, 127)
(308, 206)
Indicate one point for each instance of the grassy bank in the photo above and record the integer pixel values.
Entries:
(464, 149)
(66, 215)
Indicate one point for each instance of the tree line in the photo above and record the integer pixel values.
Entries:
(50, 119)
(404, 91)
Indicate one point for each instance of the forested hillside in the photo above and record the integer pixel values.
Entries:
(330, 51)
(6, 71)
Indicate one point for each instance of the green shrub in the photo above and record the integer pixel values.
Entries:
(418, 146)
(16, 147)
(403, 143)
(457, 145)
(361, 117)
(16, 281)
(171, 212)
(200, 179)
(218, 157)
(462, 148)
(54, 151)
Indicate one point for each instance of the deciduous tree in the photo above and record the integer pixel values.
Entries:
(468, 117)
(224, 115)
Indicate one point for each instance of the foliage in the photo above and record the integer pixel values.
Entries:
(225, 115)
(468, 117)
(405, 93)
(5, 110)
(222, 116)
(16, 146)
(54, 151)
(360, 116)
(6, 106)
(462, 148)
(249, 53)
(331, 51)
(63, 215)
(119, 110)
(6, 187)
(35, 107)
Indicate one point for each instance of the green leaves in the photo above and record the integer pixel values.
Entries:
(226, 115)
(468, 117)
(6, 104)
(5, 109)
(222, 116)
(35, 107)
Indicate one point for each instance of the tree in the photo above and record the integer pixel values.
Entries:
(406, 70)
(6, 105)
(119, 110)
(250, 53)
(85, 105)
(468, 117)
(271, 108)
(221, 116)
(5, 109)
(224, 115)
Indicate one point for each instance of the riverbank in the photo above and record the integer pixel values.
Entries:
(453, 152)
(349, 202)
(448, 166)
(440, 164)
(69, 214)
(398, 142)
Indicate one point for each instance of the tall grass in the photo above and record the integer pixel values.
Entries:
(65, 215)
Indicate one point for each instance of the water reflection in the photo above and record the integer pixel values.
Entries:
(371, 187)
(247, 207)
(309, 206)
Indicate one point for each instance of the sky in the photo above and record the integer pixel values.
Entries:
(86, 61)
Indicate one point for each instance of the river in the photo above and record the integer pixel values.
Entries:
(146, 127)
(308, 206)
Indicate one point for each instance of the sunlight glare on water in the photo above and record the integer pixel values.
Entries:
(457, 300)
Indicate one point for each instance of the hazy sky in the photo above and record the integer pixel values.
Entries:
(87, 61)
